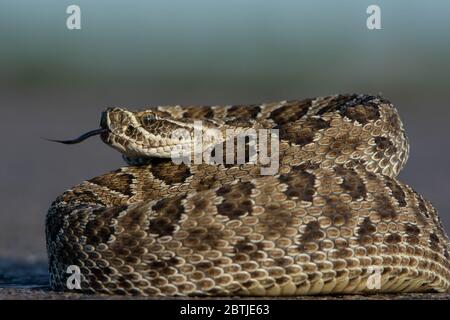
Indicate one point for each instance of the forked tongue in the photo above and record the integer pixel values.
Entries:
(82, 137)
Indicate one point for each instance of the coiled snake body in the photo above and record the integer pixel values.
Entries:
(331, 217)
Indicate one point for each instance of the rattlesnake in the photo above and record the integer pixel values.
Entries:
(331, 217)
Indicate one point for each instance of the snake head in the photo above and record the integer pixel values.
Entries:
(144, 134)
(139, 135)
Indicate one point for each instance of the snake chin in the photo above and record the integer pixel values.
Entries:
(137, 161)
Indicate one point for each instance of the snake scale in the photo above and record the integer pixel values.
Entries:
(332, 215)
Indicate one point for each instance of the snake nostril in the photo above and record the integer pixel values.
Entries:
(129, 130)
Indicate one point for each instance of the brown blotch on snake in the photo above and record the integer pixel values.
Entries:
(397, 191)
(366, 230)
(312, 232)
(338, 211)
(171, 210)
(244, 111)
(383, 143)
(413, 233)
(384, 207)
(351, 182)
(169, 173)
(99, 230)
(393, 238)
(236, 201)
(117, 181)
(300, 184)
(306, 134)
(291, 111)
(205, 112)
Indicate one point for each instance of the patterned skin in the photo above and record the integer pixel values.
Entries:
(332, 217)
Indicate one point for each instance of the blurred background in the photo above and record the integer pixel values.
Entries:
(54, 82)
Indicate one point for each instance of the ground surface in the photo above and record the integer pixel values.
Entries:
(29, 280)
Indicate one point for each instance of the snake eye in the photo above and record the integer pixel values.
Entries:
(148, 118)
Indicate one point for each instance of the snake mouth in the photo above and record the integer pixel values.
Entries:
(101, 131)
